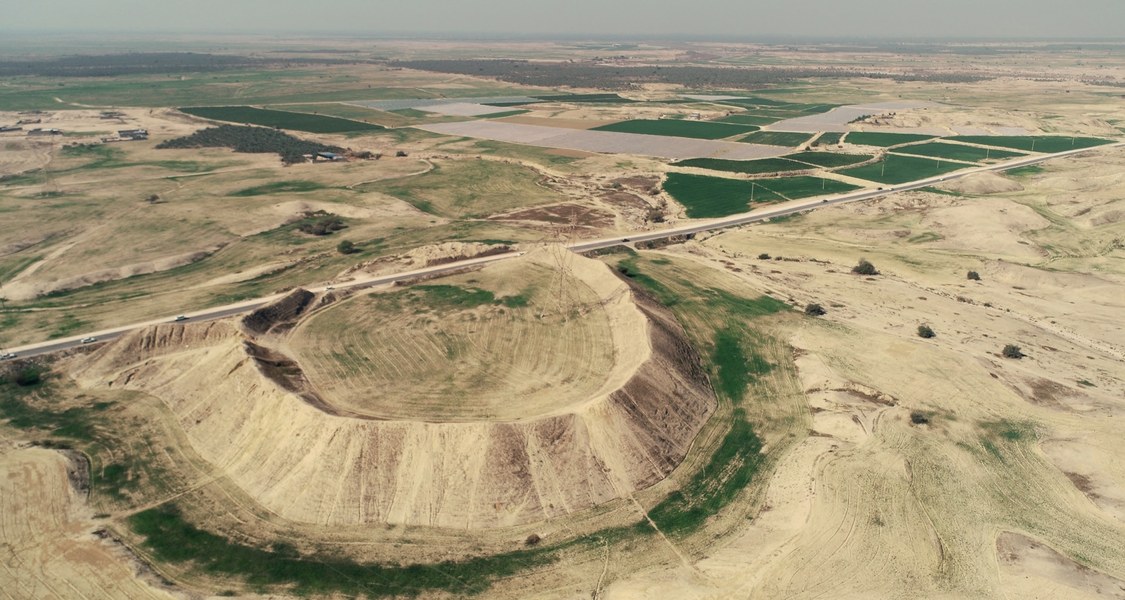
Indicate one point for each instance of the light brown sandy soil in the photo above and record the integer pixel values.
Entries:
(48, 548)
(873, 505)
(308, 460)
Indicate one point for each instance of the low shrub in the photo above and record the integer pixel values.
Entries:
(865, 268)
(1012, 351)
(814, 310)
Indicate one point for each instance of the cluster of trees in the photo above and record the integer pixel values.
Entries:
(320, 223)
(241, 138)
(592, 75)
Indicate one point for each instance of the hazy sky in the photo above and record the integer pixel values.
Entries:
(749, 18)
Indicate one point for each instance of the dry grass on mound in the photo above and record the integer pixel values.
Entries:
(462, 349)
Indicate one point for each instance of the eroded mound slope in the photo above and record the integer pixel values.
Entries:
(307, 459)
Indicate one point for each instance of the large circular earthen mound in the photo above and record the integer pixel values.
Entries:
(461, 351)
(292, 405)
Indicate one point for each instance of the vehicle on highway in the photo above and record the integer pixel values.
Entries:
(8, 356)
(624, 239)
(181, 318)
(88, 340)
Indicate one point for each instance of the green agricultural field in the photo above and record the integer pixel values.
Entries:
(795, 188)
(901, 169)
(754, 167)
(878, 138)
(829, 160)
(747, 119)
(958, 152)
(707, 130)
(279, 118)
(777, 138)
(1037, 143)
(607, 98)
(334, 109)
(756, 101)
(705, 196)
(830, 137)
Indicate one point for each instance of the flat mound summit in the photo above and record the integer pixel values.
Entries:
(528, 390)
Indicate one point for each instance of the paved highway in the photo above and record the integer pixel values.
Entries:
(585, 246)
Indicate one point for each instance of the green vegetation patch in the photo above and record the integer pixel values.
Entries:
(794, 188)
(469, 188)
(764, 165)
(628, 267)
(279, 118)
(707, 130)
(748, 119)
(1026, 171)
(101, 156)
(1033, 143)
(958, 152)
(279, 187)
(777, 138)
(829, 160)
(884, 140)
(705, 196)
(830, 137)
(901, 169)
(172, 539)
(606, 98)
(727, 473)
(17, 407)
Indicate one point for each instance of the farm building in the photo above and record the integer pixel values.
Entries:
(40, 131)
(133, 134)
(329, 156)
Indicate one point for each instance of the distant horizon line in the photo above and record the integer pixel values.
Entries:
(569, 37)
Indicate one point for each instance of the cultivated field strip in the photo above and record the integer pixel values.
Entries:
(838, 118)
(605, 141)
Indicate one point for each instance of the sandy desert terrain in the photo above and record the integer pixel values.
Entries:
(665, 419)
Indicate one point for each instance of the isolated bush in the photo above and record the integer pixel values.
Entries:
(973, 275)
(27, 376)
(814, 310)
(346, 247)
(533, 540)
(1012, 351)
(918, 417)
(763, 256)
(864, 268)
(924, 331)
